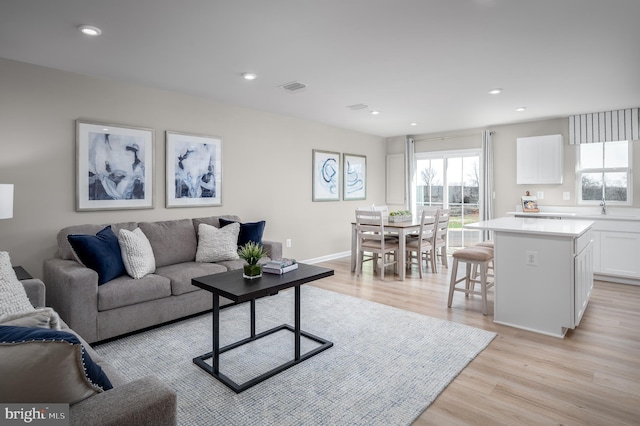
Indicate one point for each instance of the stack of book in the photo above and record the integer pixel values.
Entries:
(280, 266)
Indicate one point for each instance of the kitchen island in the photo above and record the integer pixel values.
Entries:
(543, 272)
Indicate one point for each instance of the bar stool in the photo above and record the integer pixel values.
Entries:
(472, 256)
(486, 244)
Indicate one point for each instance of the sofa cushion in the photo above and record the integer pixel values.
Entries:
(232, 265)
(13, 298)
(100, 252)
(251, 231)
(64, 248)
(217, 244)
(213, 220)
(46, 366)
(125, 291)
(173, 241)
(137, 254)
(181, 274)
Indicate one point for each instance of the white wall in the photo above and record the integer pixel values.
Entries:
(508, 193)
(266, 161)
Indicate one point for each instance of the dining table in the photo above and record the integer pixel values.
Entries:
(402, 229)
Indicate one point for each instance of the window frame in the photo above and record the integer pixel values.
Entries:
(628, 170)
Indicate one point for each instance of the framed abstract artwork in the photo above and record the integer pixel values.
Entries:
(354, 177)
(194, 170)
(326, 175)
(114, 167)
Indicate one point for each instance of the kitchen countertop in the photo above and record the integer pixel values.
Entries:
(525, 225)
(577, 215)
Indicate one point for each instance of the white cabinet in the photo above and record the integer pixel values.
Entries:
(543, 272)
(395, 179)
(540, 160)
(616, 250)
(583, 278)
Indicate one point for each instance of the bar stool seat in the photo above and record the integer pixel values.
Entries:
(475, 256)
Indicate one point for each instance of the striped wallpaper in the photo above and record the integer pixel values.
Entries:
(620, 125)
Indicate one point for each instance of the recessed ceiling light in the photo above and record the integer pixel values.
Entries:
(249, 76)
(520, 109)
(375, 112)
(495, 91)
(413, 124)
(90, 30)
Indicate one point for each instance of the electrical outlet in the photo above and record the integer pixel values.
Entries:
(540, 195)
(288, 242)
(566, 196)
(532, 258)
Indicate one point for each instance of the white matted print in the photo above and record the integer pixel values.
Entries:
(326, 175)
(354, 177)
(114, 167)
(194, 170)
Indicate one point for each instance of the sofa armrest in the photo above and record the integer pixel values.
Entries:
(36, 291)
(72, 290)
(146, 401)
(274, 249)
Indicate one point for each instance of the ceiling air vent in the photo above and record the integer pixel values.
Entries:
(357, 107)
(294, 86)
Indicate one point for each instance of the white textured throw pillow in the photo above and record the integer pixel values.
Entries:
(217, 244)
(13, 298)
(137, 254)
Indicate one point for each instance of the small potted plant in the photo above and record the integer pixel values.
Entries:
(252, 252)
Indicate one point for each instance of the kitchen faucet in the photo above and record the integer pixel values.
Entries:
(603, 204)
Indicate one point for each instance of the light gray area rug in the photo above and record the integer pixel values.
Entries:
(386, 367)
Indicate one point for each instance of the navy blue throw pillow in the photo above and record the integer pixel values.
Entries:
(100, 252)
(14, 335)
(251, 231)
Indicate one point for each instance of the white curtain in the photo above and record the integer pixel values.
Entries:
(486, 190)
(620, 125)
(410, 166)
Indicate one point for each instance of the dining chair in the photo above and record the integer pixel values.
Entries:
(385, 214)
(441, 243)
(421, 248)
(371, 239)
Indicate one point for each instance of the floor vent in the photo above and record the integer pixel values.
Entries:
(293, 86)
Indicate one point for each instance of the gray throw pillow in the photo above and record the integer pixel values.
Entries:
(217, 244)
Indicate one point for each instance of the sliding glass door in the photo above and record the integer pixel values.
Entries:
(451, 180)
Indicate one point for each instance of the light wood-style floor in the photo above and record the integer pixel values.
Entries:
(591, 377)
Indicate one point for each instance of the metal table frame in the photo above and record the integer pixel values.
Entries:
(214, 368)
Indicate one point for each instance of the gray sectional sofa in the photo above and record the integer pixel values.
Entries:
(145, 401)
(124, 304)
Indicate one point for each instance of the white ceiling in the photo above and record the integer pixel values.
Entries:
(425, 61)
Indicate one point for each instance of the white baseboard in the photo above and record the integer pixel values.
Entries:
(614, 279)
(327, 258)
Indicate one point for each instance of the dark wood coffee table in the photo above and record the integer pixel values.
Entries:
(233, 286)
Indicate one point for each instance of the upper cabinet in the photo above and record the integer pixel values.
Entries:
(540, 160)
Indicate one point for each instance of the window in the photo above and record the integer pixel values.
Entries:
(604, 172)
(451, 179)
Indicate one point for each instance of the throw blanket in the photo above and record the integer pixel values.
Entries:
(40, 317)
